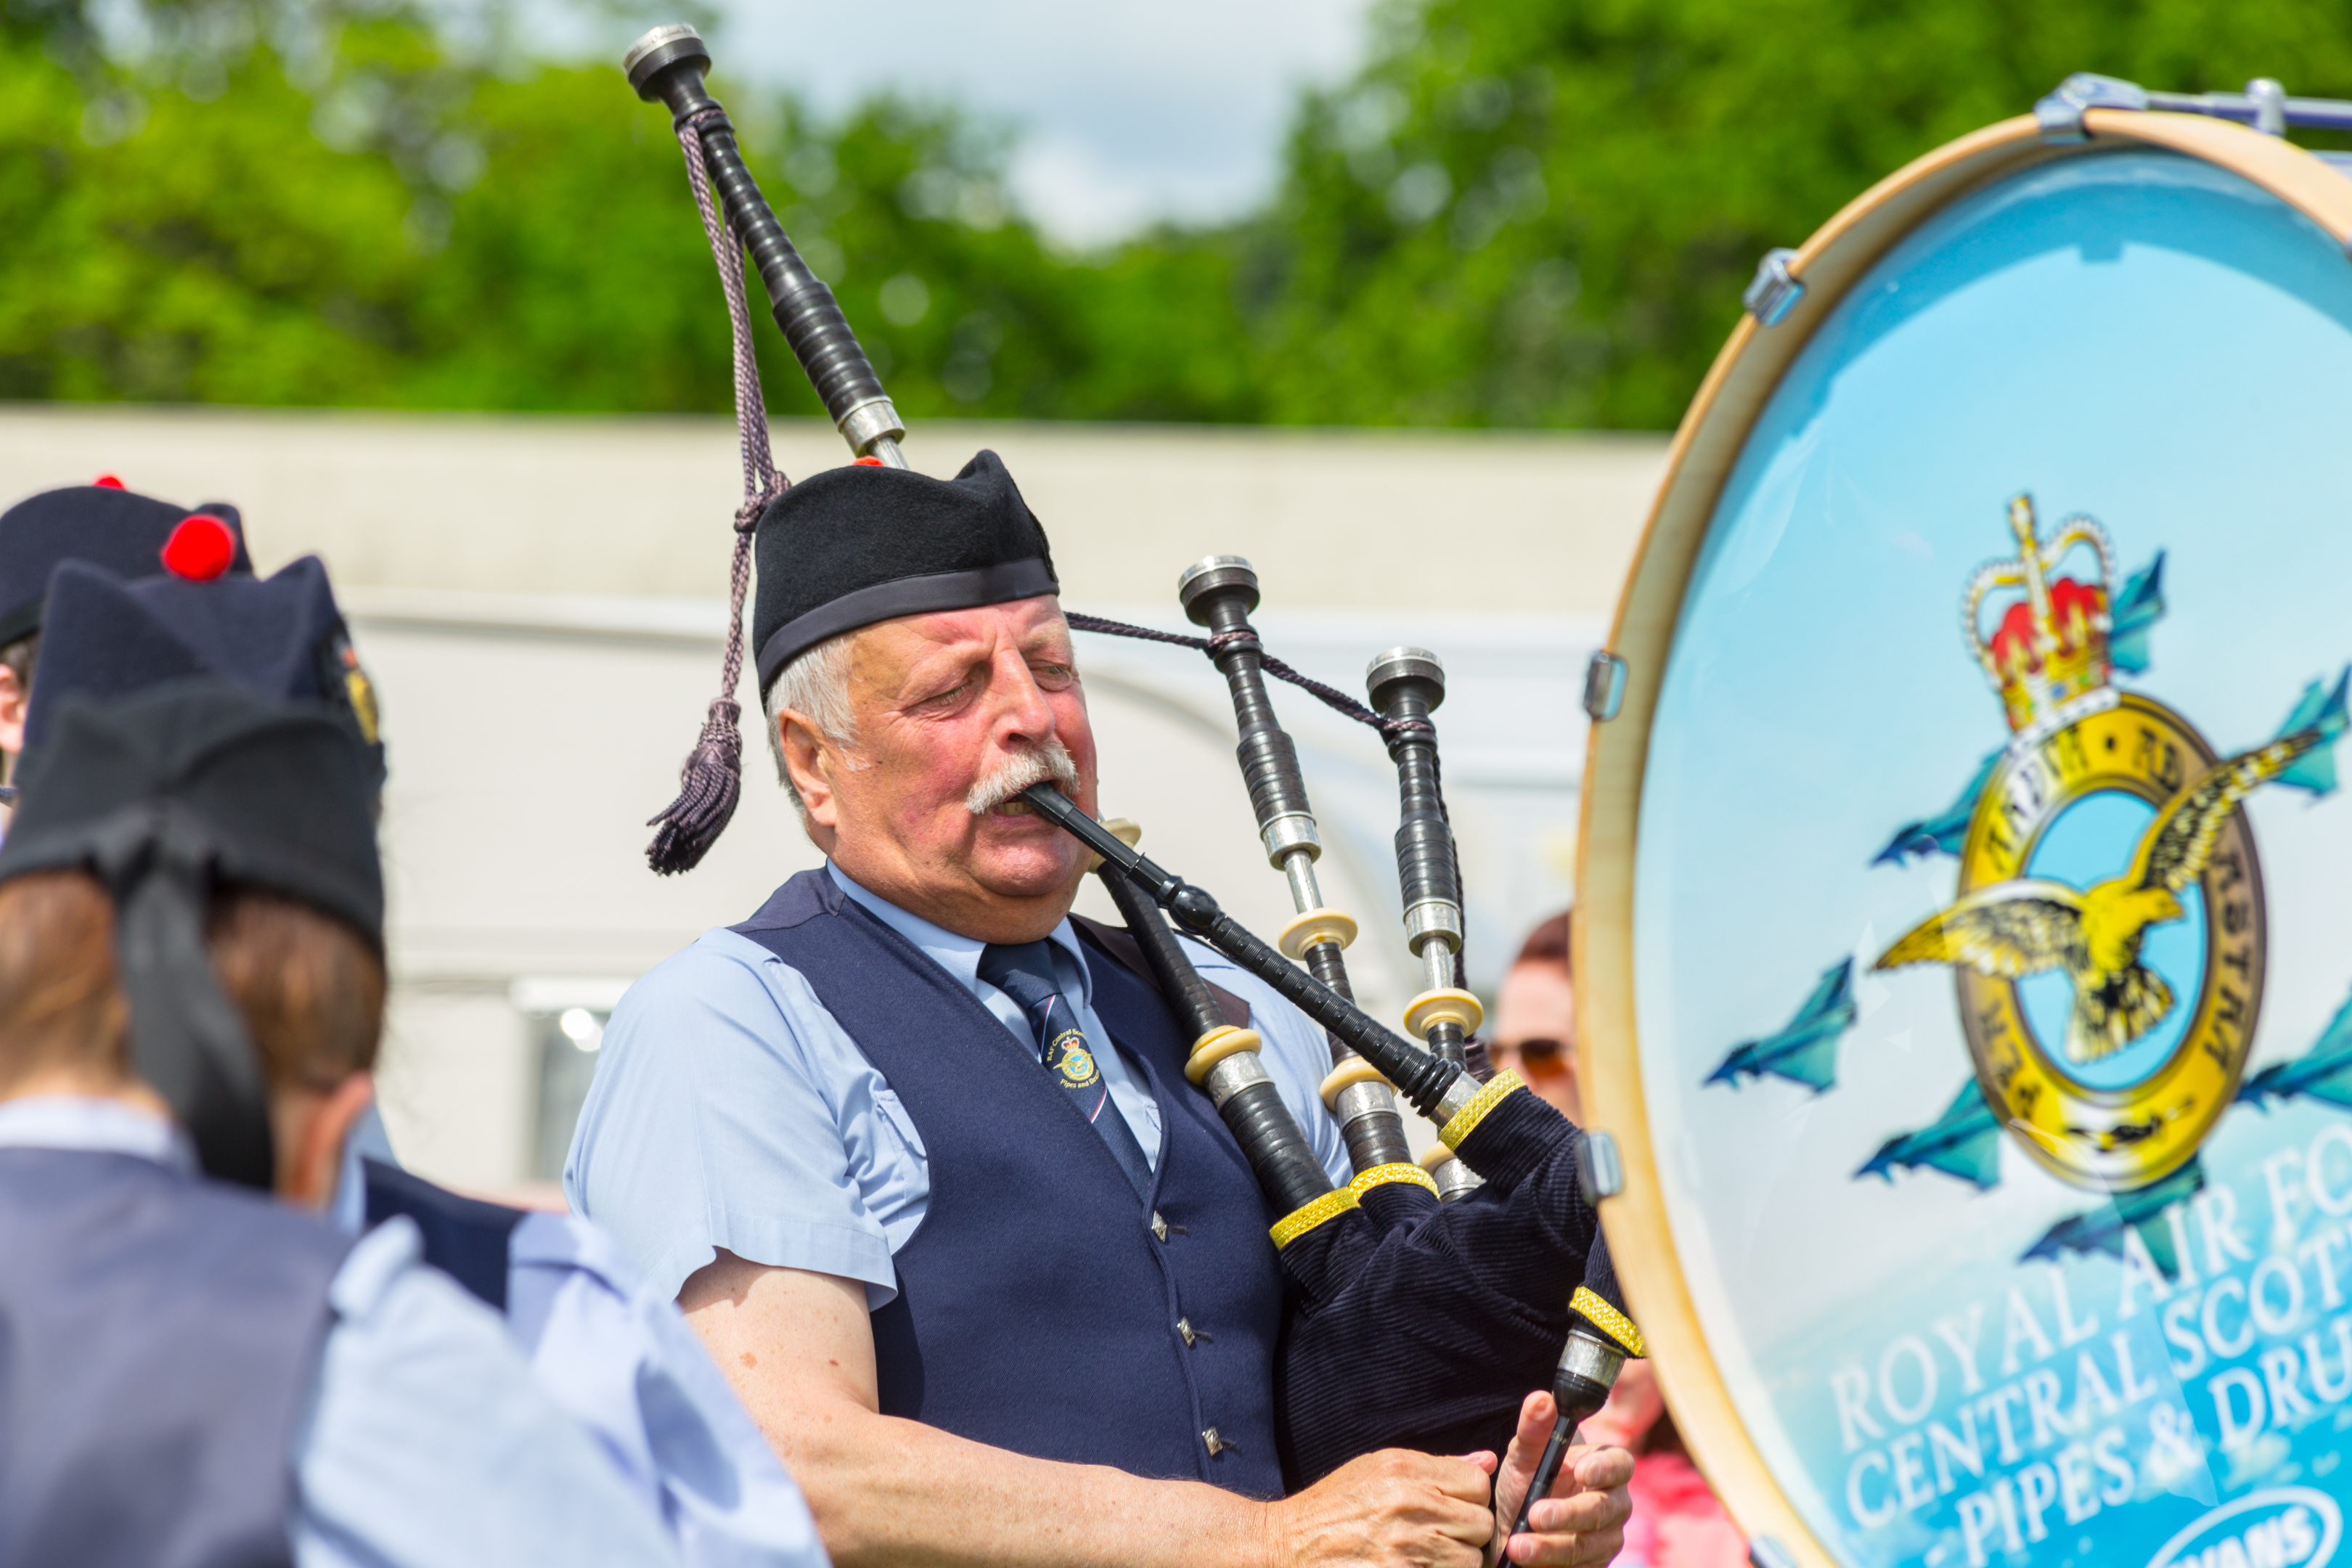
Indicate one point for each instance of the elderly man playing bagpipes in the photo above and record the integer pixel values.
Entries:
(1031, 1240)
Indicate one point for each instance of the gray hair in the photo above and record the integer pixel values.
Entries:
(815, 685)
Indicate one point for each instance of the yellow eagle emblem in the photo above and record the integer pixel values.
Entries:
(2027, 925)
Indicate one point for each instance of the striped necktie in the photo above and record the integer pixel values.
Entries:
(1026, 973)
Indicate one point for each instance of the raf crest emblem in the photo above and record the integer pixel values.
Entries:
(2107, 931)
(1068, 1058)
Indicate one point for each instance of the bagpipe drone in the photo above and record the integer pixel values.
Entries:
(1414, 1323)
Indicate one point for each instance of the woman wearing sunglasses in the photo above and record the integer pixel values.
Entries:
(1535, 1018)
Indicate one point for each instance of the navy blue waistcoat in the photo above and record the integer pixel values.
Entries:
(158, 1338)
(1038, 1308)
(466, 1238)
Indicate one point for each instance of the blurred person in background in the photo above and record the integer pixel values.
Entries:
(1535, 1018)
(192, 988)
(615, 1356)
(1677, 1521)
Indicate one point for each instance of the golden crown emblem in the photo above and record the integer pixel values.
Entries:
(2050, 649)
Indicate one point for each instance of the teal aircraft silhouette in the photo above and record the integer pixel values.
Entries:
(2322, 1073)
(2139, 607)
(2102, 1229)
(1964, 1142)
(1943, 832)
(1805, 1051)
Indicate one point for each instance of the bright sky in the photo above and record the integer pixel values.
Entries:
(1128, 112)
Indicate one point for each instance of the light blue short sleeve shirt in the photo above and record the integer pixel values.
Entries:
(617, 1357)
(730, 1110)
(428, 1442)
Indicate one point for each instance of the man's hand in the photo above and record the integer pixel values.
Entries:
(1413, 1511)
(1583, 1521)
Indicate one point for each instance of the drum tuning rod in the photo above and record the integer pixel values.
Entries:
(2265, 105)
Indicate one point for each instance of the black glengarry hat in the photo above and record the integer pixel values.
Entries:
(851, 546)
(167, 796)
(842, 550)
(281, 636)
(105, 524)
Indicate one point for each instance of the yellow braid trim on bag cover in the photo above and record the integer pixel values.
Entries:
(1382, 1175)
(1299, 1221)
(1609, 1321)
(1215, 1047)
(1499, 1087)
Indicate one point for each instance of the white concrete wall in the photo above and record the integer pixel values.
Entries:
(1462, 521)
(537, 601)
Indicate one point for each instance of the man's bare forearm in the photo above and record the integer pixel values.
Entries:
(895, 1491)
(799, 1348)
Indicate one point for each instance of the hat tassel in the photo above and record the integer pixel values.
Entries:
(712, 780)
(708, 786)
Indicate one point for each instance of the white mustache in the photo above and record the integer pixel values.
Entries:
(1047, 759)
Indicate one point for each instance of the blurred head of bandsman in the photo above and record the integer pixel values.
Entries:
(102, 524)
(1534, 1032)
(192, 987)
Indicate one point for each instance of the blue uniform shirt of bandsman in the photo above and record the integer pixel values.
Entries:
(615, 1355)
(730, 1110)
(425, 1442)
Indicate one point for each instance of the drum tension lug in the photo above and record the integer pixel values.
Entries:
(1600, 1170)
(2269, 99)
(2060, 115)
(1604, 685)
(1775, 292)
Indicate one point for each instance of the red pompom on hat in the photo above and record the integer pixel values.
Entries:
(107, 482)
(201, 549)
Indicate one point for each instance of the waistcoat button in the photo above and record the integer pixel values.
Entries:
(1215, 1444)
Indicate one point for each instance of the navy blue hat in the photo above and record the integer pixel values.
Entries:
(105, 524)
(280, 637)
(851, 546)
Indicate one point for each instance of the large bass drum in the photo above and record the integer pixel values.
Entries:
(1965, 924)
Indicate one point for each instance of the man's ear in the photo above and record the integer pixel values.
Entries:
(310, 1127)
(810, 760)
(14, 698)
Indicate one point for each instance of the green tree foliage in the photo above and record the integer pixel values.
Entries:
(1543, 212)
(163, 247)
(1519, 213)
(410, 234)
